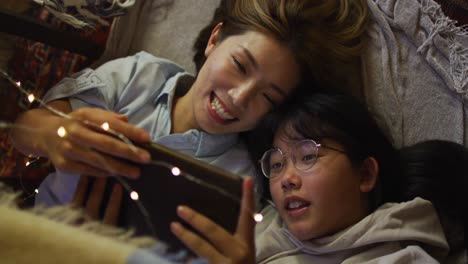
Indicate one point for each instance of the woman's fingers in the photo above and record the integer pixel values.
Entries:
(92, 201)
(114, 121)
(76, 144)
(82, 168)
(80, 193)
(96, 160)
(97, 139)
(93, 204)
(111, 216)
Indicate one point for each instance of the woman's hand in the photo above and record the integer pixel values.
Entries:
(221, 247)
(83, 148)
(93, 202)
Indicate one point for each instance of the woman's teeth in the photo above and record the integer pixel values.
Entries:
(218, 108)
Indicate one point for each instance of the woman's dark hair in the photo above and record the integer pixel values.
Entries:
(320, 33)
(202, 39)
(339, 117)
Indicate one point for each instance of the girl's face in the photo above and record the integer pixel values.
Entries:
(321, 200)
(243, 77)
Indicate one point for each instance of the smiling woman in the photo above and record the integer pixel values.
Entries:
(238, 84)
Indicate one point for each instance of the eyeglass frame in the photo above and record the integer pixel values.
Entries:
(317, 145)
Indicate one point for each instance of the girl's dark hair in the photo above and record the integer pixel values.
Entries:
(339, 117)
(437, 170)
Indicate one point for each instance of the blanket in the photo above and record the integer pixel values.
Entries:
(415, 71)
(52, 235)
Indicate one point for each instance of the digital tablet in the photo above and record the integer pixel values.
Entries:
(212, 191)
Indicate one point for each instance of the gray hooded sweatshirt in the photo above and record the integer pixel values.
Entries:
(407, 232)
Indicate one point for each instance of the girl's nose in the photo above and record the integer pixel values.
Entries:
(243, 93)
(290, 178)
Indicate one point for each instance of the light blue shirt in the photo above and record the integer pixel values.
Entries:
(141, 87)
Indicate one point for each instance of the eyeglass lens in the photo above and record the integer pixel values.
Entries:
(302, 153)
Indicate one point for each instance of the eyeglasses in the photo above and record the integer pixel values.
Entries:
(304, 154)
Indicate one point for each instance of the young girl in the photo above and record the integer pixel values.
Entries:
(331, 171)
(255, 58)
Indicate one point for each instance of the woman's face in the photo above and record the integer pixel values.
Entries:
(243, 77)
(321, 200)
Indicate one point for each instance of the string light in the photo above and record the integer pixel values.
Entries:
(36, 191)
(258, 217)
(61, 132)
(134, 195)
(31, 98)
(32, 160)
(105, 126)
(175, 171)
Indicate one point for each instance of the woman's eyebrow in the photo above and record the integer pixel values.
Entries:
(249, 56)
(254, 63)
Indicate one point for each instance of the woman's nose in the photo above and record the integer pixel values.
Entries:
(243, 93)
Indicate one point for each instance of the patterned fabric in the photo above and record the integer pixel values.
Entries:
(38, 66)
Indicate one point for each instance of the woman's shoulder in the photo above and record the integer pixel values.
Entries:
(148, 57)
(142, 61)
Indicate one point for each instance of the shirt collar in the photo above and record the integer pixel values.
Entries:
(181, 81)
(214, 145)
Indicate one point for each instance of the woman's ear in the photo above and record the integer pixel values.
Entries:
(214, 39)
(369, 174)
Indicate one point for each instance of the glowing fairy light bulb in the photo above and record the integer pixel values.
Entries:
(258, 217)
(27, 163)
(62, 132)
(175, 171)
(31, 98)
(134, 195)
(36, 191)
(18, 83)
(105, 126)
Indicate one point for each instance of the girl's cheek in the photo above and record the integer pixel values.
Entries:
(275, 190)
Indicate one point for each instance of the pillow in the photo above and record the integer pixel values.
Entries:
(165, 29)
